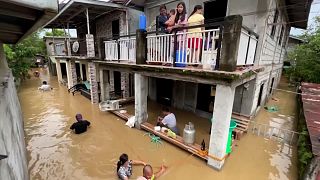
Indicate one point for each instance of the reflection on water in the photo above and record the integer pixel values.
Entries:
(56, 153)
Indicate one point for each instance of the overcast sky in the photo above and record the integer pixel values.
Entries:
(315, 11)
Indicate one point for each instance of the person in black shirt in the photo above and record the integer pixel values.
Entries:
(81, 125)
(162, 19)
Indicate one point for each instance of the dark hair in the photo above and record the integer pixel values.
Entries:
(162, 6)
(195, 9)
(173, 11)
(165, 109)
(122, 159)
(44, 82)
(181, 16)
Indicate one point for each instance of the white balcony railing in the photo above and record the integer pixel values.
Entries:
(111, 50)
(192, 48)
(127, 49)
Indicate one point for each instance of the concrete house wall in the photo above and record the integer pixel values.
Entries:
(269, 51)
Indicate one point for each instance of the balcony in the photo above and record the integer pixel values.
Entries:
(188, 47)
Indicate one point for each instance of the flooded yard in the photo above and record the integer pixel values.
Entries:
(54, 152)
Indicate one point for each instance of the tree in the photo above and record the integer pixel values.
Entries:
(55, 32)
(20, 57)
(305, 58)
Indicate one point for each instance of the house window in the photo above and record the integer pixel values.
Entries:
(281, 35)
(275, 20)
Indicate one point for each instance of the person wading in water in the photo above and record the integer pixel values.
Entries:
(81, 125)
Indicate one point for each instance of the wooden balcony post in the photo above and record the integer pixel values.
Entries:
(141, 46)
(230, 42)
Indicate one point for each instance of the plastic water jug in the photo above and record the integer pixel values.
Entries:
(142, 22)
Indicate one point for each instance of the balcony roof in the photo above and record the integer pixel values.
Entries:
(298, 12)
(73, 12)
(20, 18)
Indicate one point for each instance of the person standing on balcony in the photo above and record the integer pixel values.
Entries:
(162, 19)
(180, 21)
(195, 37)
(171, 19)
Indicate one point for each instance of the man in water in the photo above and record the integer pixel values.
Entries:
(148, 173)
(169, 120)
(81, 125)
(45, 86)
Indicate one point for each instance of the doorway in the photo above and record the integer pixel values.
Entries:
(117, 83)
(84, 72)
(215, 9)
(115, 29)
(63, 70)
(205, 97)
(131, 85)
(78, 71)
(260, 95)
(164, 91)
(271, 87)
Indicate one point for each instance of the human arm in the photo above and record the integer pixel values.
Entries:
(160, 172)
(88, 123)
(72, 126)
(138, 162)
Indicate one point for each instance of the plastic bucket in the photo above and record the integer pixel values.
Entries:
(233, 125)
(142, 22)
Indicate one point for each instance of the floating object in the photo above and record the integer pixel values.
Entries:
(154, 139)
(275, 99)
(131, 121)
(157, 128)
(271, 108)
(189, 134)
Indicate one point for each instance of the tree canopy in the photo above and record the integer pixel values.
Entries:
(55, 32)
(21, 56)
(305, 58)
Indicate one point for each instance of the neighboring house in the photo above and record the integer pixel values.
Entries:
(292, 43)
(240, 62)
(56, 46)
(18, 19)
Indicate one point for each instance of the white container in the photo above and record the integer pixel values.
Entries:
(157, 128)
(189, 134)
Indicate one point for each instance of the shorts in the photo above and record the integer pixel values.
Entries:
(194, 43)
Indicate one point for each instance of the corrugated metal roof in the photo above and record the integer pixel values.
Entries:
(311, 107)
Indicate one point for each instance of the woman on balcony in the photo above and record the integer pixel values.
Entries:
(195, 36)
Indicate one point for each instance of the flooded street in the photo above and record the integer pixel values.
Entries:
(54, 152)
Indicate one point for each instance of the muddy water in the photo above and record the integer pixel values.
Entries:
(56, 153)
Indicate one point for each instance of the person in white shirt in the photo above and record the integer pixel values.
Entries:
(169, 120)
(45, 86)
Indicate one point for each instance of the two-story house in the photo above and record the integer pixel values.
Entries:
(239, 65)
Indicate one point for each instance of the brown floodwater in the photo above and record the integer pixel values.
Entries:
(54, 152)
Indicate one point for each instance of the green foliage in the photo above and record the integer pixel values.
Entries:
(304, 149)
(305, 58)
(55, 32)
(21, 56)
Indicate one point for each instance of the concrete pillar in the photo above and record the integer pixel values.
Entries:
(71, 73)
(93, 83)
(104, 85)
(3, 61)
(141, 46)
(58, 68)
(220, 125)
(141, 100)
(111, 79)
(230, 43)
(81, 72)
(125, 84)
(90, 45)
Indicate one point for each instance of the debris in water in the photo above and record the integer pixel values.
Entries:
(275, 99)
(271, 108)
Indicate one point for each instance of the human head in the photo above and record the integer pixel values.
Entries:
(197, 9)
(44, 82)
(78, 117)
(172, 12)
(163, 10)
(165, 110)
(123, 159)
(147, 171)
(181, 12)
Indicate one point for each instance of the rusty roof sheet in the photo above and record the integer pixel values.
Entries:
(311, 106)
